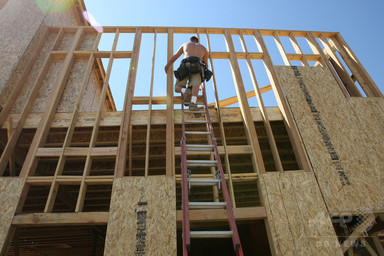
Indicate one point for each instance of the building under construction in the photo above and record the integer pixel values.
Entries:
(99, 156)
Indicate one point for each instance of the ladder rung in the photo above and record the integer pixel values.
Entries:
(198, 132)
(191, 111)
(211, 234)
(196, 121)
(204, 182)
(207, 205)
(198, 147)
(207, 163)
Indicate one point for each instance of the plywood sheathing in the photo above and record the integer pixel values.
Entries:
(20, 21)
(371, 117)
(351, 181)
(297, 216)
(10, 191)
(142, 217)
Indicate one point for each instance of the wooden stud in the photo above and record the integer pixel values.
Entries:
(216, 196)
(62, 155)
(378, 245)
(7, 152)
(12, 171)
(348, 82)
(95, 130)
(42, 130)
(127, 112)
(289, 122)
(325, 63)
(357, 232)
(281, 49)
(367, 80)
(21, 82)
(368, 247)
(298, 50)
(150, 107)
(244, 107)
(221, 126)
(170, 129)
(130, 151)
(267, 125)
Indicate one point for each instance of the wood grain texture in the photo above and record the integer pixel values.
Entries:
(10, 191)
(142, 205)
(297, 216)
(348, 164)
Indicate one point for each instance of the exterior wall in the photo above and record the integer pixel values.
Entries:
(298, 219)
(142, 217)
(343, 138)
(10, 192)
(22, 24)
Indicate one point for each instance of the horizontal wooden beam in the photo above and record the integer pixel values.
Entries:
(308, 57)
(70, 180)
(61, 219)
(238, 177)
(74, 151)
(202, 30)
(241, 214)
(232, 100)
(231, 150)
(139, 117)
(101, 218)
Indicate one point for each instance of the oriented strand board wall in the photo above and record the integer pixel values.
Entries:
(348, 165)
(10, 191)
(22, 24)
(142, 217)
(297, 216)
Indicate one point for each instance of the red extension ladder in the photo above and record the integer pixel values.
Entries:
(220, 182)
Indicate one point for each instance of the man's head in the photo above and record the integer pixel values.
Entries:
(194, 39)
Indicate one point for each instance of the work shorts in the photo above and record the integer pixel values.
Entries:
(193, 79)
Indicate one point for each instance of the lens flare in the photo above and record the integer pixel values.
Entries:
(89, 17)
(55, 5)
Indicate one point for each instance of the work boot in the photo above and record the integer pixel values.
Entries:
(194, 107)
(187, 96)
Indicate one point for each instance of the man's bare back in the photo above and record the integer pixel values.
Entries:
(194, 49)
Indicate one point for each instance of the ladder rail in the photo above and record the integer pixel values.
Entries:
(227, 199)
(184, 186)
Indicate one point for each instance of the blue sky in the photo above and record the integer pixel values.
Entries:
(359, 21)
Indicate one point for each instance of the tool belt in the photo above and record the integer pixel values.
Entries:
(192, 65)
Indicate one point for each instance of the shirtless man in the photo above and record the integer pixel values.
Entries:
(192, 48)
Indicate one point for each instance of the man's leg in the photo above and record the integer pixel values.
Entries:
(180, 86)
(195, 82)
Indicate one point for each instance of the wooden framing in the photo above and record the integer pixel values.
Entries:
(129, 150)
(288, 119)
(169, 116)
(125, 123)
(243, 102)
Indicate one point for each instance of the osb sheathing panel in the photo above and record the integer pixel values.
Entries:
(142, 217)
(297, 216)
(10, 191)
(72, 87)
(20, 20)
(346, 164)
(371, 118)
(31, 78)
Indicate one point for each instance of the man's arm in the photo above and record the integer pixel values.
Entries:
(174, 58)
(205, 58)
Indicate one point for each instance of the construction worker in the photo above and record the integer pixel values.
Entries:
(190, 70)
